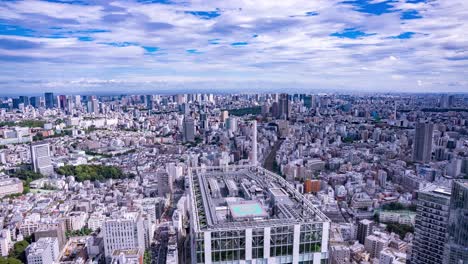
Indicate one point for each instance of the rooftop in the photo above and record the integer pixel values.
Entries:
(242, 196)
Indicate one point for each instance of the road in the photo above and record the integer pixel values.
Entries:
(270, 160)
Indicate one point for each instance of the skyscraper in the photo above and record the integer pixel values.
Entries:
(253, 156)
(24, 100)
(149, 102)
(431, 225)
(456, 249)
(40, 158)
(189, 129)
(49, 100)
(284, 106)
(422, 145)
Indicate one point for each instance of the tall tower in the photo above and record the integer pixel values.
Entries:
(431, 225)
(456, 249)
(422, 145)
(253, 156)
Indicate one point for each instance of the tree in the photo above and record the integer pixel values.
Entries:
(10, 261)
(19, 249)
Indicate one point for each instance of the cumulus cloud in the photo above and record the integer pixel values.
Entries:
(379, 45)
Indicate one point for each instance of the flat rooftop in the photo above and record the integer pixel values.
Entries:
(246, 196)
(247, 210)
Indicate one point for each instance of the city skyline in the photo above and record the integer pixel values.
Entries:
(157, 46)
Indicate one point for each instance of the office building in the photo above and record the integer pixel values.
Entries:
(189, 129)
(456, 249)
(49, 100)
(258, 217)
(422, 145)
(431, 225)
(123, 230)
(40, 158)
(24, 100)
(44, 251)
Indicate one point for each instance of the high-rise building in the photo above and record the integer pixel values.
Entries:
(431, 225)
(44, 251)
(189, 129)
(24, 100)
(78, 101)
(364, 229)
(149, 101)
(259, 218)
(456, 249)
(224, 116)
(254, 155)
(40, 158)
(124, 230)
(422, 145)
(284, 106)
(62, 101)
(49, 100)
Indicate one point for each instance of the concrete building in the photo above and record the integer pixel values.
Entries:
(456, 249)
(269, 221)
(44, 251)
(431, 225)
(422, 145)
(364, 229)
(124, 230)
(375, 243)
(10, 186)
(40, 158)
(340, 254)
(5, 242)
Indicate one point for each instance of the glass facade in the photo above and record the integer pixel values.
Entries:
(456, 250)
(227, 245)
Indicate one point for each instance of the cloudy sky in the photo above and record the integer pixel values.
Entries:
(360, 45)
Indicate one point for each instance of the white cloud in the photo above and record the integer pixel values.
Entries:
(288, 46)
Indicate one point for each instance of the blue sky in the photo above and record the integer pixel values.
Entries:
(361, 45)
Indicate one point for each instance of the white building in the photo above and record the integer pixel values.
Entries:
(40, 158)
(44, 251)
(10, 186)
(5, 242)
(268, 221)
(124, 230)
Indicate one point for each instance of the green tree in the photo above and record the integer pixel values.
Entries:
(10, 261)
(19, 249)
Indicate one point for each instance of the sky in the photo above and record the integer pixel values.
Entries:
(254, 45)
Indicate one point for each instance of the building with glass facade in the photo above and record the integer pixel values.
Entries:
(246, 214)
(456, 249)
